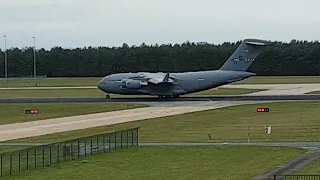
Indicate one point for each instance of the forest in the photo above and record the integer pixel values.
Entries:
(279, 58)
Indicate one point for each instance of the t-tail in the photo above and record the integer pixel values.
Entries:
(244, 55)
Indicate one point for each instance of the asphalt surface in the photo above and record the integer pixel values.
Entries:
(155, 99)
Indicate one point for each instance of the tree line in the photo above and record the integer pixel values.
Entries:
(279, 58)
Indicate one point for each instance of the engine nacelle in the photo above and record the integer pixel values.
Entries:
(131, 84)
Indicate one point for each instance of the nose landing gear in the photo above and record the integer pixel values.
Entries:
(107, 96)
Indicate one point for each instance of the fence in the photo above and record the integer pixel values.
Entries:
(297, 177)
(41, 156)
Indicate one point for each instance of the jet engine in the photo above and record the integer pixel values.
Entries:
(131, 84)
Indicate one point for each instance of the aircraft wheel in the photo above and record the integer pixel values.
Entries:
(107, 96)
(175, 96)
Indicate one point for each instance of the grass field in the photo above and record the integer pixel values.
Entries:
(296, 121)
(169, 163)
(14, 113)
(313, 169)
(94, 81)
(84, 93)
(54, 82)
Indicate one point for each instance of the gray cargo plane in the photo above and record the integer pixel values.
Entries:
(175, 84)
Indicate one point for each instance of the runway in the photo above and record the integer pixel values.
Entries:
(306, 97)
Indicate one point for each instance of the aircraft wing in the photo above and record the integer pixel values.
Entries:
(157, 78)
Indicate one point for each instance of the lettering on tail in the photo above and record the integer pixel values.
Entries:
(240, 59)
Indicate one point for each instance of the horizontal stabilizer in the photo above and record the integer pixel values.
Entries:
(256, 43)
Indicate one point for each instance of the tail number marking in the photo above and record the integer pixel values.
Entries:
(236, 60)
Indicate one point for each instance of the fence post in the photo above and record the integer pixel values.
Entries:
(50, 154)
(72, 150)
(42, 156)
(132, 137)
(104, 143)
(109, 137)
(19, 162)
(90, 146)
(64, 151)
(28, 159)
(78, 149)
(10, 164)
(97, 144)
(127, 138)
(121, 140)
(274, 177)
(137, 138)
(1, 165)
(115, 141)
(35, 158)
(85, 147)
(58, 154)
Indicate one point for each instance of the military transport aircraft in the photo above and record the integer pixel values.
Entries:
(175, 84)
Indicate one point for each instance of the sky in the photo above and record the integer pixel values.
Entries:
(80, 23)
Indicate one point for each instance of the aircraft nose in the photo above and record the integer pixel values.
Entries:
(100, 85)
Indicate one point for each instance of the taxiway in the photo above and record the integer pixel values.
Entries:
(154, 99)
(269, 89)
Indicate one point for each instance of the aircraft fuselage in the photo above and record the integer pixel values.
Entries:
(183, 83)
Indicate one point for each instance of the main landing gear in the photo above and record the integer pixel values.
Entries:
(107, 96)
(168, 96)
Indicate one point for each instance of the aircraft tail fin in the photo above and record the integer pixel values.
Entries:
(244, 55)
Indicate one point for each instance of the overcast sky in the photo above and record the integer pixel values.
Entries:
(79, 23)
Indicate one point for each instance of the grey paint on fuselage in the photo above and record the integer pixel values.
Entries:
(184, 83)
(189, 82)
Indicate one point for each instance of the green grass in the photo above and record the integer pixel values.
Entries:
(93, 81)
(313, 169)
(51, 82)
(40, 93)
(84, 93)
(14, 113)
(12, 148)
(169, 163)
(295, 121)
